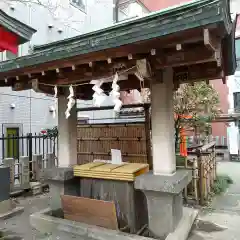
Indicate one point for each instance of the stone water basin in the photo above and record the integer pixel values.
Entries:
(52, 224)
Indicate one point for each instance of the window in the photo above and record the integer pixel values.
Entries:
(79, 4)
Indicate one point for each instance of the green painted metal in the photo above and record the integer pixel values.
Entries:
(195, 14)
(24, 31)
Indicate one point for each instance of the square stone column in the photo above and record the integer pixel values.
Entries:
(164, 200)
(67, 134)
(60, 178)
(163, 187)
(162, 116)
(24, 170)
(61, 182)
(38, 167)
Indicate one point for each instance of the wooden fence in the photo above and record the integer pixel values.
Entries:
(96, 141)
(202, 161)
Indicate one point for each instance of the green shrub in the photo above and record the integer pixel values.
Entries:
(221, 184)
(180, 160)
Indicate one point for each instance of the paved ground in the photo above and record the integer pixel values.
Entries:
(222, 220)
(219, 222)
(20, 225)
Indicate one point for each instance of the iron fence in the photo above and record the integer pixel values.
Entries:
(15, 146)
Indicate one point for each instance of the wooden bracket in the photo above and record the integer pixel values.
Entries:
(209, 40)
(214, 45)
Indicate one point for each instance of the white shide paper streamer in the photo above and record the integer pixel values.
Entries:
(55, 101)
(71, 102)
(99, 96)
(115, 94)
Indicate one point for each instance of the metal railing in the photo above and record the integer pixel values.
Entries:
(15, 146)
(25, 175)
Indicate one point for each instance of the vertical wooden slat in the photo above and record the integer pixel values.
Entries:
(200, 180)
(148, 136)
(94, 139)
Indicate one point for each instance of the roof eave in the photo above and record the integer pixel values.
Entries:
(24, 31)
(178, 19)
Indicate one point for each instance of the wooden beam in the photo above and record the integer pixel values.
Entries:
(88, 109)
(20, 86)
(85, 73)
(195, 73)
(188, 36)
(188, 56)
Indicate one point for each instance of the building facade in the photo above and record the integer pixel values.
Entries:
(27, 111)
(223, 132)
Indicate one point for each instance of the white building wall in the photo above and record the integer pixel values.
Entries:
(59, 21)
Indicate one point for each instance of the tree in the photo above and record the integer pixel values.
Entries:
(195, 106)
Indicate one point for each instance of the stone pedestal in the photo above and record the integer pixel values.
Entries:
(24, 170)
(38, 167)
(9, 162)
(61, 182)
(164, 199)
(50, 158)
(67, 134)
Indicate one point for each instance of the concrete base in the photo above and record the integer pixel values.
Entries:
(185, 225)
(61, 182)
(44, 222)
(8, 209)
(11, 213)
(164, 198)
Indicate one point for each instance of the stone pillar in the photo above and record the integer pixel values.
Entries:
(24, 170)
(163, 187)
(38, 163)
(9, 162)
(163, 147)
(60, 178)
(67, 138)
(61, 181)
(50, 158)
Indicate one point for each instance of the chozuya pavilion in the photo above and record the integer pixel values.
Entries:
(188, 43)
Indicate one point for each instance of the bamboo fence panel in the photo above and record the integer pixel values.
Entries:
(96, 141)
(202, 162)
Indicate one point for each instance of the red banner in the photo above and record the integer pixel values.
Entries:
(8, 41)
